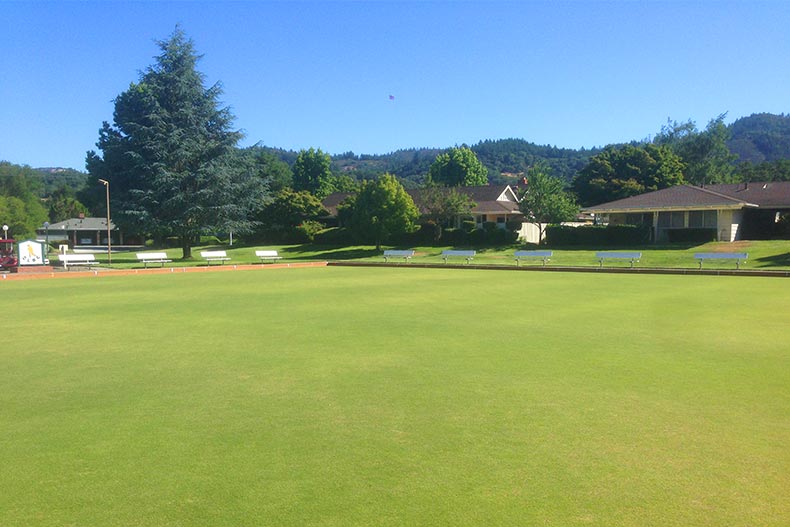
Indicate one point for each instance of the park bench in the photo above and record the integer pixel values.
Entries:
(469, 255)
(738, 257)
(633, 257)
(544, 255)
(77, 260)
(267, 256)
(394, 253)
(146, 258)
(214, 256)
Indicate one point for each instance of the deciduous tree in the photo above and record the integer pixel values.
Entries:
(458, 167)
(383, 209)
(545, 200)
(313, 173)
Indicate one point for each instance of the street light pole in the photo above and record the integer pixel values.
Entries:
(46, 241)
(109, 239)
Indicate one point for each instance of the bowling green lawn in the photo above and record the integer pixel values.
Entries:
(394, 396)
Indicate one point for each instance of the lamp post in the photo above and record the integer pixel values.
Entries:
(5, 232)
(46, 241)
(109, 239)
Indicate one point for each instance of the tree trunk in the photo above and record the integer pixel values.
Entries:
(186, 247)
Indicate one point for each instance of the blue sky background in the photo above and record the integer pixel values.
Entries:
(319, 74)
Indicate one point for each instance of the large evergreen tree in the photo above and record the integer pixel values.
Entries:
(169, 154)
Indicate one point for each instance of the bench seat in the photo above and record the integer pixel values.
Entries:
(544, 255)
(396, 253)
(71, 260)
(738, 257)
(618, 255)
(146, 258)
(214, 256)
(469, 255)
(268, 256)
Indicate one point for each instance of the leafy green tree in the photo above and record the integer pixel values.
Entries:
(618, 173)
(706, 155)
(288, 210)
(778, 170)
(458, 167)
(443, 205)
(313, 173)
(545, 200)
(383, 209)
(63, 205)
(276, 173)
(20, 205)
(169, 154)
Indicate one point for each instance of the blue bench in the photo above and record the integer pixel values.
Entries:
(544, 255)
(469, 255)
(395, 253)
(738, 257)
(633, 257)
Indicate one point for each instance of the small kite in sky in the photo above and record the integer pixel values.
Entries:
(392, 97)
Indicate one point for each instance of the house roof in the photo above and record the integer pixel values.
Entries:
(81, 224)
(490, 199)
(680, 197)
(774, 194)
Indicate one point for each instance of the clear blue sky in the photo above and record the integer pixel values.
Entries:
(320, 74)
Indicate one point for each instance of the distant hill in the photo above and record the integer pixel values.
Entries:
(761, 137)
(53, 178)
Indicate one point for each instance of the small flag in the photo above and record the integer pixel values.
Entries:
(392, 97)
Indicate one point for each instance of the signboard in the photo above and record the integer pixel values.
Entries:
(31, 252)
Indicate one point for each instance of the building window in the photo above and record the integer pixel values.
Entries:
(678, 220)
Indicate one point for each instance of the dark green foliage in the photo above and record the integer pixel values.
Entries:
(64, 205)
(598, 236)
(383, 210)
(545, 200)
(458, 167)
(312, 172)
(443, 206)
(761, 137)
(705, 154)
(778, 170)
(284, 218)
(338, 236)
(169, 155)
(698, 235)
(20, 206)
(276, 173)
(618, 173)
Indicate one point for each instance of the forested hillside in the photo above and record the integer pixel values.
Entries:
(761, 137)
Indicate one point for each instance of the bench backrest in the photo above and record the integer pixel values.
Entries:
(618, 254)
(465, 254)
(721, 256)
(213, 254)
(265, 253)
(395, 252)
(76, 258)
(151, 256)
(537, 254)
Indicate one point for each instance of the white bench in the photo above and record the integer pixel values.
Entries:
(633, 257)
(738, 257)
(469, 255)
(394, 253)
(214, 256)
(77, 260)
(544, 255)
(268, 256)
(146, 258)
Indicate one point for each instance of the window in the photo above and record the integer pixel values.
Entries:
(696, 219)
(711, 219)
(678, 220)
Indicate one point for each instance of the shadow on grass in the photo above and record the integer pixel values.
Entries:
(777, 260)
(313, 252)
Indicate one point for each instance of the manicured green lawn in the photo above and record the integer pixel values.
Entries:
(762, 255)
(363, 396)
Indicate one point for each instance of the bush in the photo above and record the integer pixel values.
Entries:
(513, 225)
(306, 231)
(691, 235)
(598, 235)
(334, 236)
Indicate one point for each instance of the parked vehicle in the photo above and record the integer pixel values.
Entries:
(8, 259)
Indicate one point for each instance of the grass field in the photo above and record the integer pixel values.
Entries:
(762, 255)
(358, 396)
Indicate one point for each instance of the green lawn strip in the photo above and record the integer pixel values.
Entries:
(341, 396)
(762, 255)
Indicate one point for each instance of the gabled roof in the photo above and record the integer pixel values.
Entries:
(490, 199)
(81, 224)
(680, 197)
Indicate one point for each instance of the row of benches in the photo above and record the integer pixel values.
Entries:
(545, 256)
(88, 260)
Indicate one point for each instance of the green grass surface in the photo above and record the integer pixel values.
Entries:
(762, 255)
(359, 396)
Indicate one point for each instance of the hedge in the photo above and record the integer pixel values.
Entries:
(598, 235)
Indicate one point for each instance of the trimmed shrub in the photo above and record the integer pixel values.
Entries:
(306, 231)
